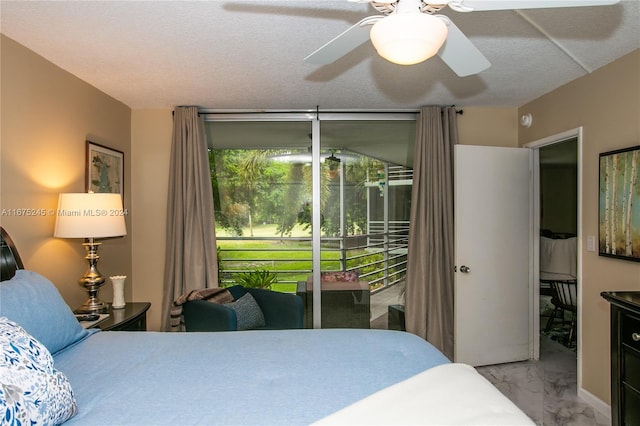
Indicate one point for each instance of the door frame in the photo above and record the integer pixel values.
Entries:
(535, 299)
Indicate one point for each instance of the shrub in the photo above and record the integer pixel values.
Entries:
(257, 279)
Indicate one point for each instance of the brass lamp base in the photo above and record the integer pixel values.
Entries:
(92, 281)
(91, 307)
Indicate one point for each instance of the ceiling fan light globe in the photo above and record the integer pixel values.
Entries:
(408, 38)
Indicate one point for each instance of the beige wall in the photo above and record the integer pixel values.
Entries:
(606, 104)
(490, 126)
(559, 193)
(151, 132)
(47, 115)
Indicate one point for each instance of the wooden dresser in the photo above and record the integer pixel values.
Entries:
(625, 357)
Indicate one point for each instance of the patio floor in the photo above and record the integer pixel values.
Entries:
(380, 302)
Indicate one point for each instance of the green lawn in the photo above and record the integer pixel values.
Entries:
(273, 255)
(279, 255)
(266, 230)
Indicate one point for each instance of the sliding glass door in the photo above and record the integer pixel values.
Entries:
(307, 204)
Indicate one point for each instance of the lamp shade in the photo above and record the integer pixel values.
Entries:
(408, 38)
(90, 215)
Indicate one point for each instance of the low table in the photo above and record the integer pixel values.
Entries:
(344, 304)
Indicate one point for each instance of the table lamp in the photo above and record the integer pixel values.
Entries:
(90, 216)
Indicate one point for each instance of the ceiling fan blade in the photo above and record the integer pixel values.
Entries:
(462, 56)
(374, 1)
(478, 5)
(343, 43)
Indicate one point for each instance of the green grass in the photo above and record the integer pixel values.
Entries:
(272, 255)
(281, 256)
(266, 230)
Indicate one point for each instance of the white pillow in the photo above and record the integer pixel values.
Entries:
(32, 391)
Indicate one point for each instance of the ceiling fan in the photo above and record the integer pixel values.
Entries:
(410, 31)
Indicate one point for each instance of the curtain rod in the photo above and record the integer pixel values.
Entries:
(307, 111)
(205, 112)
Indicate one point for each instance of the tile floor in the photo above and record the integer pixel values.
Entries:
(546, 390)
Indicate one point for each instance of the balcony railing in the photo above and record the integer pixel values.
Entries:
(379, 257)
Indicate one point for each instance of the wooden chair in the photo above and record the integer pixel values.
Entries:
(564, 298)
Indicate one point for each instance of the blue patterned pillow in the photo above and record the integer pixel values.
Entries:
(31, 390)
(248, 312)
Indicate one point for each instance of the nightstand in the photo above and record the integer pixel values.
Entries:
(133, 317)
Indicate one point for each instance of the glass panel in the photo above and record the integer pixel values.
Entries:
(364, 220)
(261, 193)
(262, 181)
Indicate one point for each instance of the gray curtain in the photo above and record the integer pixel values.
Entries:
(191, 242)
(429, 284)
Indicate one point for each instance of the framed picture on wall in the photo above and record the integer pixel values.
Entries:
(104, 169)
(619, 204)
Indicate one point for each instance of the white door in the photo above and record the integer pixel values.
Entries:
(492, 244)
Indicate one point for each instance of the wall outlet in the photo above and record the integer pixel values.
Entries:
(591, 243)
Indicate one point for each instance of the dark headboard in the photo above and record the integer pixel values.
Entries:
(10, 260)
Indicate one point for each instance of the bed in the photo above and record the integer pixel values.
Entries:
(55, 371)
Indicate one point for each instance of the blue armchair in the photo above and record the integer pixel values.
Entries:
(281, 311)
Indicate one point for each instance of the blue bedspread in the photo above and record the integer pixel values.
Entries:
(247, 377)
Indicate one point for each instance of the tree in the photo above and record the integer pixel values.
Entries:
(607, 235)
(292, 200)
(250, 187)
(250, 173)
(614, 204)
(224, 165)
(632, 185)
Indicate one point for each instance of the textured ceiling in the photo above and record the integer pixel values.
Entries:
(241, 54)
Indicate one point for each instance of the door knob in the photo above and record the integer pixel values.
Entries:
(465, 269)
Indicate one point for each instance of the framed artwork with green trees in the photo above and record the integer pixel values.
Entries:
(619, 204)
